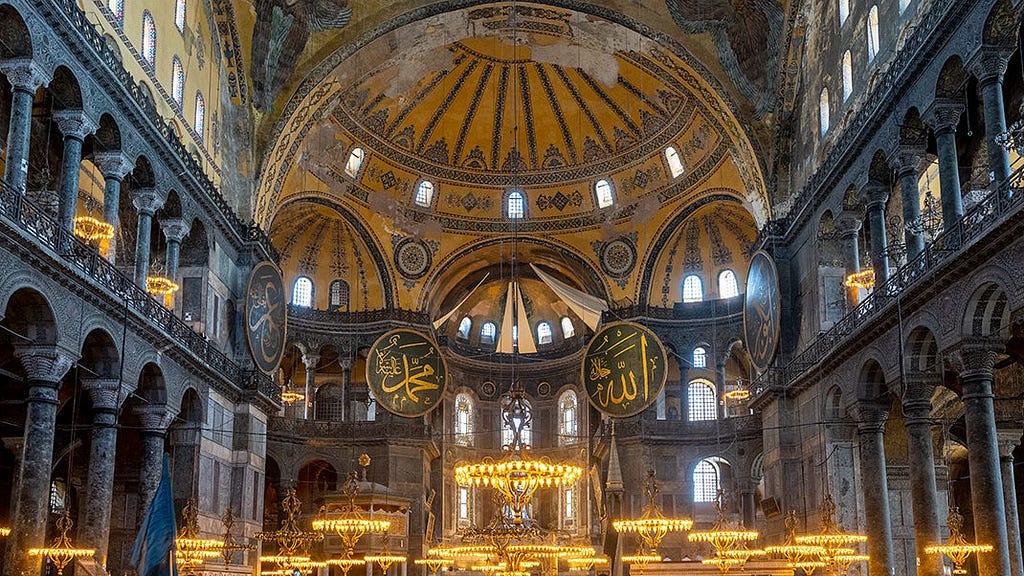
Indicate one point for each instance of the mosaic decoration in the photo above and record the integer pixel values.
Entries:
(266, 317)
(406, 373)
(412, 258)
(560, 200)
(470, 202)
(618, 257)
(762, 311)
(692, 258)
(624, 369)
(720, 253)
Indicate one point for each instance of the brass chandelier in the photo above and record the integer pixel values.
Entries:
(957, 549)
(728, 542)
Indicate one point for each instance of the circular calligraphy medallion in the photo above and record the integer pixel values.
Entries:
(618, 257)
(544, 388)
(406, 373)
(266, 316)
(761, 311)
(412, 259)
(624, 369)
(489, 389)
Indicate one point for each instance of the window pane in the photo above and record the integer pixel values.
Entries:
(177, 81)
(568, 425)
(487, 333)
(847, 75)
(700, 359)
(117, 7)
(179, 15)
(873, 43)
(701, 401)
(544, 333)
(355, 161)
(603, 191)
(693, 289)
(844, 11)
(200, 115)
(727, 285)
(675, 165)
(823, 111)
(568, 330)
(705, 482)
(425, 194)
(464, 327)
(302, 293)
(516, 205)
(463, 420)
(148, 38)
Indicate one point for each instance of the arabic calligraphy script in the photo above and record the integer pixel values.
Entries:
(406, 373)
(266, 316)
(761, 313)
(624, 369)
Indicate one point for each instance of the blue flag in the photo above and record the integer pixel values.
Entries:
(153, 553)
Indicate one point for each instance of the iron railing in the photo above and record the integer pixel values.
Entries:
(1004, 201)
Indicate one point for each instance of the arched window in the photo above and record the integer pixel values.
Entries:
(693, 289)
(568, 419)
(302, 292)
(847, 75)
(148, 38)
(465, 507)
(675, 165)
(355, 161)
(116, 7)
(463, 419)
(487, 333)
(702, 401)
(515, 205)
(339, 294)
(543, 333)
(464, 327)
(568, 330)
(873, 40)
(728, 287)
(179, 15)
(177, 81)
(200, 120)
(823, 111)
(603, 192)
(844, 11)
(425, 194)
(705, 481)
(329, 401)
(567, 507)
(904, 4)
(700, 357)
(506, 428)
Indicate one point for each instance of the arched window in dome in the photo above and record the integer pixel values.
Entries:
(488, 332)
(464, 514)
(464, 419)
(568, 330)
(116, 8)
(706, 480)
(701, 401)
(424, 194)
(464, 327)
(339, 294)
(568, 418)
(544, 333)
(515, 205)
(148, 38)
(844, 11)
(177, 81)
(700, 357)
(302, 292)
(179, 15)
(200, 117)
(823, 111)
(675, 165)
(847, 75)
(728, 287)
(527, 432)
(693, 288)
(355, 161)
(603, 193)
(873, 39)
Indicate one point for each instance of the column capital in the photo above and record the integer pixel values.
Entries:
(848, 223)
(175, 229)
(113, 164)
(24, 74)
(103, 391)
(146, 200)
(979, 354)
(74, 123)
(876, 194)
(906, 159)
(1008, 440)
(44, 363)
(154, 417)
(989, 63)
(310, 360)
(871, 416)
(943, 114)
(917, 395)
(345, 363)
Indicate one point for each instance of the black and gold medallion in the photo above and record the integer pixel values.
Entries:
(266, 316)
(406, 373)
(624, 369)
(762, 311)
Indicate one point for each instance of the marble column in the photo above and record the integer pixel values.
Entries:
(905, 161)
(875, 486)
(45, 367)
(175, 230)
(25, 77)
(154, 420)
(114, 166)
(16, 445)
(310, 360)
(1008, 440)
(988, 66)
(848, 225)
(75, 126)
(877, 195)
(942, 116)
(987, 501)
(146, 202)
(346, 381)
(99, 489)
(917, 411)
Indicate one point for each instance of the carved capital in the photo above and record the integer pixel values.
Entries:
(871, 416)
(1008, 439)
(175, 229)
(74, 123)
(943, 114)
(848, 223)
(103, 391)
(24, 74)
(113, 164)
(989, 63)
(979, 354)
(146, 201)
(155, 418)
(44, 363)
(917, 394)
(906, 159)
(310, 360)
(876, 194)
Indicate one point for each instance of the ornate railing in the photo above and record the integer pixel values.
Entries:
(246, 231)
(84, 258)
(1001, 203)
(405, 428)
(398, 316)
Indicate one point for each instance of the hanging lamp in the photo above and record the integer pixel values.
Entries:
(62, 551)
(957, 548)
